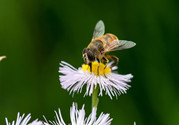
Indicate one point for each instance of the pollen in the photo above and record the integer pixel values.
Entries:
(97, 68)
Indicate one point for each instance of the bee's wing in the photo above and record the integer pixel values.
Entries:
(124, 44)
(120, 45)
(99, 29)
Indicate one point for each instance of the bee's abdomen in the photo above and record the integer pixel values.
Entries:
(109, 38)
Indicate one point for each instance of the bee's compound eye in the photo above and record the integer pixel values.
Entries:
(91, 57)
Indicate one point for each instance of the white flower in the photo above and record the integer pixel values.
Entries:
(23, 121)
(74, 79)
(78, 117)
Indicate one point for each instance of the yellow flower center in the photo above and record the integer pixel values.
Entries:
(97, 68)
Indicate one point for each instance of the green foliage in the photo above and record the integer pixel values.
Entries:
(36, 35)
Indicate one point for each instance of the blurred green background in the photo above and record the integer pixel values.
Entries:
(36, 35)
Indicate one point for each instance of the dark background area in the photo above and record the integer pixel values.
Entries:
(36, 35)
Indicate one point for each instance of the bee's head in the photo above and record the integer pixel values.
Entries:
(88, 56)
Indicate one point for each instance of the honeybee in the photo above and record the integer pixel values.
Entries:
(103, 43)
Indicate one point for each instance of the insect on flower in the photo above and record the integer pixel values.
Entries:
(97, 71)
(103, 43)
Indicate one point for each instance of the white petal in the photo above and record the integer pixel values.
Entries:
(77, 117)
(23, 121)
(36, 122)
(58, 119)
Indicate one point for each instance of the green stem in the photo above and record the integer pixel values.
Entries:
(95, 98)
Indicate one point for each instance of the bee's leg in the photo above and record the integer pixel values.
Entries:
(104, 59)
(98, 60)
(114, 58)
(90, 64)
(107, 61)
(98, 66)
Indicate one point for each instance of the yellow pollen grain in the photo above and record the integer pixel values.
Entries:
(97, 69)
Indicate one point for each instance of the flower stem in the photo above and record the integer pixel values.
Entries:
(95, 98)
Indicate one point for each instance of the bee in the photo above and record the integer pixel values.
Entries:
(101, 44)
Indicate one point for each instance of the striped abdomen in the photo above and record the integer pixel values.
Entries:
(109, 38)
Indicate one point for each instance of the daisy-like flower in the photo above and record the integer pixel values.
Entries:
(102, 75)
(78, 117)
(24, 121)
